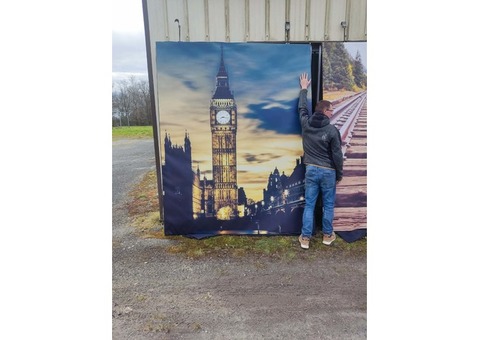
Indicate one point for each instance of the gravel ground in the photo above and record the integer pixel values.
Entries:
(158, 295)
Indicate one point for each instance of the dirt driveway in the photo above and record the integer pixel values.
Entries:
(160, 295)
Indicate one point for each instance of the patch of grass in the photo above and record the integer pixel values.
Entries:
(144, 196)
(144, 210)
(132, 132)
(149, 222)
(159, 323)
(196, 326)
(159, 327)
(141, 297)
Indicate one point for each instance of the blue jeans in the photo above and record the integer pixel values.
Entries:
(319, 180)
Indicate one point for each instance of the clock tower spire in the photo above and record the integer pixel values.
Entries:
(223, 124)
(222, 88)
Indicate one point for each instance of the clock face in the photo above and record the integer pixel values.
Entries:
(223, 117)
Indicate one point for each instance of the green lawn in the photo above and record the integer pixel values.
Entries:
(132, 132)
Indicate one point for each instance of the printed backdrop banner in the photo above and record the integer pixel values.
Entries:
(230, 137)
(344, 80)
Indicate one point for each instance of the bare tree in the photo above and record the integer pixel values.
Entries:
(131, 102)
(145, 103)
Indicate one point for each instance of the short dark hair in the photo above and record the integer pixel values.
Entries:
(322, 105)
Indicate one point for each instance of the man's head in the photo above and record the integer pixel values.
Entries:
(325, 107)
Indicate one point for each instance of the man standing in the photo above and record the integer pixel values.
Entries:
(322, 147)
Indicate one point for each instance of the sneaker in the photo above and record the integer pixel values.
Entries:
(328, 239)
(304, 242)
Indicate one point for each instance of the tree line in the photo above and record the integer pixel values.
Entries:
(131, 104)
(340, 70)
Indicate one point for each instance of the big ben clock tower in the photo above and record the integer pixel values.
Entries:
(223, 122)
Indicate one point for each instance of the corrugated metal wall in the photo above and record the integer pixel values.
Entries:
(253, 21)
(257, 20)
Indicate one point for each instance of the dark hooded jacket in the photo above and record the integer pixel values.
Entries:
(322, 144)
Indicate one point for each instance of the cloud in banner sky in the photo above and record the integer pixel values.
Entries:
(268, 114)
(264, 80)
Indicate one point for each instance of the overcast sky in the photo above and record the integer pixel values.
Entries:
(128, 40)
